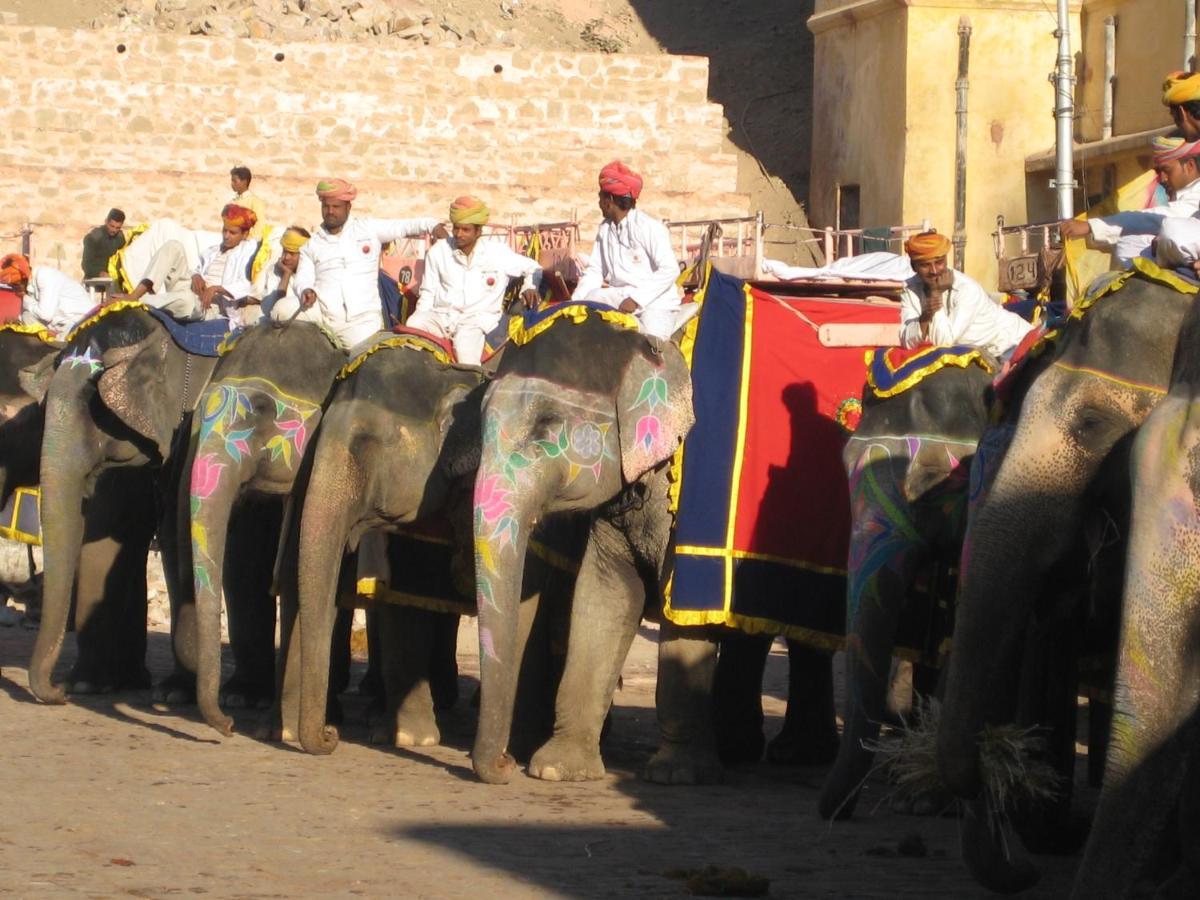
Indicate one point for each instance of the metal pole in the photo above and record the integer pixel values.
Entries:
(1189, 35)
(960, 142)
(1110, 73)
(1064, 112)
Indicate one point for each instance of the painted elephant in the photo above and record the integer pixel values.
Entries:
(398, 438)
(22, 353)
(584, 418)
(253, 425)
(908, 463)
(1149, 809)
(119, 395)
(1106, 371)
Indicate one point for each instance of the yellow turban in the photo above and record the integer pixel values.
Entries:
(1181, 87)
(293, 240)
(926, 246)
(468, 210)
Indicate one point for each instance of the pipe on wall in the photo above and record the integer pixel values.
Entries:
(1189, 35)
(960, 143)
(1110, 73)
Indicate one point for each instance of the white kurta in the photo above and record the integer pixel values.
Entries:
(343, 270)
(54, 300)
(968, 316)
(1129, 233)
(633, 259)
(461, 297)
(234, 276)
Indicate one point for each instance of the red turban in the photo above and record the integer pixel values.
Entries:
(235, 216)
(619, 180)
(336, 189)
(14, 269)
(926, 246)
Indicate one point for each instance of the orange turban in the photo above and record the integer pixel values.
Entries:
(927, 245)
(14, 269)
(469, 211)
(1181, 87)
(619, 180)
(336, 189)
(235, 216)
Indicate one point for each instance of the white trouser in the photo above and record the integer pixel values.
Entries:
(170, 276)
(466, 332)
(658, 322)
(352, 332)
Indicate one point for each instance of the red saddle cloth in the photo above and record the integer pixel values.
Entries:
(441, 343)
(10, 306)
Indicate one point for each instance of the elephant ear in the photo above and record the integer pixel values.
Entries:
(134, 386)
(654, 409)
(35, 379)
(459, 422)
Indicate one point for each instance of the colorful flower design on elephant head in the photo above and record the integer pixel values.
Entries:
(649, 428)
(84, 360)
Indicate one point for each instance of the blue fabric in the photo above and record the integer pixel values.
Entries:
(886, 379)
(389, 297)
(533, 317)
(200, 338)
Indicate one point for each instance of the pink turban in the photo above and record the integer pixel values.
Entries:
(1167, 149)
(14, 268)
(619, 180)
(235, 216)
(469, 211)
(336, 189)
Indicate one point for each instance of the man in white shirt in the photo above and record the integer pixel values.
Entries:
(632, 266)
(464, 282)
(280, 301)
(942, 306)
(338, 271)
(49, 298)
(1127, 234)
(214, 286)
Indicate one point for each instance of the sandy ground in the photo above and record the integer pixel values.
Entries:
(110, 797)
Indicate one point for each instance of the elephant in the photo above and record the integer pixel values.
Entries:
(23, 353)
(1092, 388)
(398, 437)
(908, 462)
(121, 391)
(255, 420)
(1151, 796)
(583, 419)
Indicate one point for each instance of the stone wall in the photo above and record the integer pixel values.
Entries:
(152, 123)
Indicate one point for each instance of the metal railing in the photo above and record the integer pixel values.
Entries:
(839, 243)
(735, 245)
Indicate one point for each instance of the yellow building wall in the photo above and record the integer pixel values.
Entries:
(859, 115)
(1009, 117)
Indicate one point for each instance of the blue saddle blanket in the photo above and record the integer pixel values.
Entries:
(201, 338)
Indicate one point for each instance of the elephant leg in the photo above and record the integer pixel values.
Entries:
(809, 736)
(283, 720)
(339, 662)
(443, 664)
(1099, 722)
(249, 562)
(608, 603)
(687, 752)
(407, 635)
(537, 682)
(737, 697)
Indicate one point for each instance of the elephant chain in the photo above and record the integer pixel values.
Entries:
(185, 398)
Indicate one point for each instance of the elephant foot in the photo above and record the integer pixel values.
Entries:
(417, 728)
(497, 770)
(803, 749)
(683, 764)
(735, 747)
(177, 689)
(84, 687)
(240, 692)
(564, 759)
(925, 803)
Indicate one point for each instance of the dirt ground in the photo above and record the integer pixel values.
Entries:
(111, 797)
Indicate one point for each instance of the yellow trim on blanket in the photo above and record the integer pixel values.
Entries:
(728, 554)
(13, 533)
(519, 334)
(116, 262)
(373, 590)
(739, 451)
(38, 331)
(553, 558)
(1106, 376)
(1154, 272)
(819, 640)
(962, 360)
(102, 312)
(400, 340)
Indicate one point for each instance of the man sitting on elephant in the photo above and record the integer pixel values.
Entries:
(280, 300)
(940, 305)
(338, 272)
(214, 287)
(465, 280)
(49, 298)
(632, 266)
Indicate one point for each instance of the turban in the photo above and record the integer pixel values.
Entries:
(1181, 87)
(336, 189)
(14, 268)
(619, 180)
(235, 216)
(1167, 149)
(293, 240)
(927, 245)
(469, 211)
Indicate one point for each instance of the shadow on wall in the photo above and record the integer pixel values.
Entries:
(761, 71)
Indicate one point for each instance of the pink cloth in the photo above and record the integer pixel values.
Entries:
(619, 180)
(336, 189)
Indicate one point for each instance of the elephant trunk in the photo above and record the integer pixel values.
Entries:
(506, 506)
(63, 485)
(334, 488)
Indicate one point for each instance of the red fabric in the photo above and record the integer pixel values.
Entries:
(10, 306)
(793, 497)
(619, 180)
(898, 356)
(432, 338)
